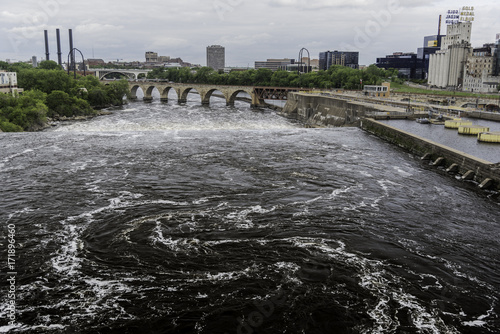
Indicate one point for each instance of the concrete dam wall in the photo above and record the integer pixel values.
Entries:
(486, 174)
(316, 110)
(328, 111)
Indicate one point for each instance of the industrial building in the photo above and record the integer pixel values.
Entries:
(446, 66)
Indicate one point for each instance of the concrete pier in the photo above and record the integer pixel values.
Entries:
(472, 129)
(456, 123)
(489, 137)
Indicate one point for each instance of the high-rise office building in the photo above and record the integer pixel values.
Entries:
(344, 58)
(216, 57)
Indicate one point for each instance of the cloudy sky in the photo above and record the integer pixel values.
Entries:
(249, 30)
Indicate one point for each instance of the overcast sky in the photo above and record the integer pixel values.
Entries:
(249, 30)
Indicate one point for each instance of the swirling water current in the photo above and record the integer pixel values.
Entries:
(167, 218)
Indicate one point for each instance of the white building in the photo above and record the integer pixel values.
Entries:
(446, 67)
(8, 82)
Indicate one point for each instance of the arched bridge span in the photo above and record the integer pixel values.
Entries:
(258, 94)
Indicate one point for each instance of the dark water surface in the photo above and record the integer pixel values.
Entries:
(185, 219)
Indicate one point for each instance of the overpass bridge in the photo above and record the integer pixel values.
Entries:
(101, 73)
(258, 94)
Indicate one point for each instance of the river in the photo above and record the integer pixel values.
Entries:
(167, 218)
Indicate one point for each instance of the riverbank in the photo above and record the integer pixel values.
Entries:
(52, 122)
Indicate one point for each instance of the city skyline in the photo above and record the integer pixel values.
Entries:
(249, 31)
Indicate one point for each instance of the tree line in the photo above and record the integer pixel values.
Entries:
(335, 77)
(49, 92)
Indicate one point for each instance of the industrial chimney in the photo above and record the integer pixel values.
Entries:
(47, 54)
(59, 54)
(71, 65)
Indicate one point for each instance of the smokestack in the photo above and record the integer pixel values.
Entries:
(439, 26)
(59, 54)
(72, 62)
(47, 54)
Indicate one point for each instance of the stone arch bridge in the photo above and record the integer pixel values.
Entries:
(258, 94)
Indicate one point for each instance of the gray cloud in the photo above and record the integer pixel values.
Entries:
(250, 30)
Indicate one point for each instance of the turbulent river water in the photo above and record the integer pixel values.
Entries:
(166, 218)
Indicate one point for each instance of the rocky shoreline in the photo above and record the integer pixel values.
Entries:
(53, 122)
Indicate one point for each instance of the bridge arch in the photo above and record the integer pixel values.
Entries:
(232, 97)
(184, 92)
(164, 91)
(102, 76)
(148, 93)
(205, 99)
(133, 91)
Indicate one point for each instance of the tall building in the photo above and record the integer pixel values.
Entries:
(446, 66)
(216, 57)
(345, 58)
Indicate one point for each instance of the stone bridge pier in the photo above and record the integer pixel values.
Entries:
(182, 90)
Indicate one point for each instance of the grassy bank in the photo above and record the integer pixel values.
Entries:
(402, 88)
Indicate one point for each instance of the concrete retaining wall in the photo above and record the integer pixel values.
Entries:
(337, 111)
(327, 111)
(484, 115)
(484, 172)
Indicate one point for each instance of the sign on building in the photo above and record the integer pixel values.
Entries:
(467, 14)
(463, 14)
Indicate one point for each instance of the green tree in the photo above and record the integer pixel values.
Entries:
(203, 74)
(4, 65)
(262, 77)
(116, 91)
(49, 65)
(59, 104)
(98, 97)
(45, 80)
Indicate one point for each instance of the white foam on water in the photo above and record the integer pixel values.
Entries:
(240, 218)
(402, 172)
(344, 190)
(183, 245)
(382, 285)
